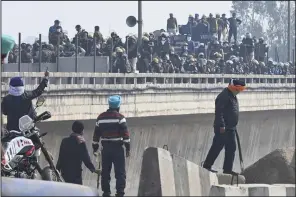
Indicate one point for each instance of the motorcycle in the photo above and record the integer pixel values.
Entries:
(21, 150)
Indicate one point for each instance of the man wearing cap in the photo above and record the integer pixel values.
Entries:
(111, 129)
(226, 120)
(73, 152)
(18, 102)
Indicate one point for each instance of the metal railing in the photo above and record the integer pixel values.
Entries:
(59, 78)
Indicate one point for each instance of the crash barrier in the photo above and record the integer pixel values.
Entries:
(166, 174)
(27, 187)
(99, 64)
(253, 190)
(60, 78)
(62, 64)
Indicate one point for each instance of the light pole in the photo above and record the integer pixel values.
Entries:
(289, 27)
(140, 23)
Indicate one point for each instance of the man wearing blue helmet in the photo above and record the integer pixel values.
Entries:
(111, 129)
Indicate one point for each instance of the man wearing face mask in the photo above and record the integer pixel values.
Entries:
(163, 46)
(226, 120)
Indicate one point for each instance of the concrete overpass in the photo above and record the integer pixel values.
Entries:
(169, 109)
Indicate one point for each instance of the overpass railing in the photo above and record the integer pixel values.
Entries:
(60, 78)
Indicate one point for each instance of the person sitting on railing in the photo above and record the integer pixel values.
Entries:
(18, 102)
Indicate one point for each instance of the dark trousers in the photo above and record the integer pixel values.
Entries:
(232, 32)
(113, 152)
(71, 179)
(221, 140)
(219, 35)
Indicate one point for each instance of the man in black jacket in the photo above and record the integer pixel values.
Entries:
(111, 129)
(73, 152)
(226, 120)
(18, 102)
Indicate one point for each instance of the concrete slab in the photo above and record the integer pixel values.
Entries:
(228, 190)
(23, 187)
(157, 174)
(251, 190)
(226, 179)
(185, 179)
(290, 189)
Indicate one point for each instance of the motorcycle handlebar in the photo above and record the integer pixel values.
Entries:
(42, 135)
(43, 116)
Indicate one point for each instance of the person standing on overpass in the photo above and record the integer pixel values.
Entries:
(226, 120)
(111, 129)
(73, 152)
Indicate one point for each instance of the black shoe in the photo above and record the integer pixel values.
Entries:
(119, 194)
(209, 169)
(230, 172)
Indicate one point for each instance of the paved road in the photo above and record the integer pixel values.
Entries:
(189, 136)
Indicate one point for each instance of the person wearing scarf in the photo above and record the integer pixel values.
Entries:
(18, 102)
(226, 120)
(73, 152)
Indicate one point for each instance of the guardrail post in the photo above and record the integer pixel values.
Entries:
(71, 80)
(58, 80)
(206, 80)
(19, 52)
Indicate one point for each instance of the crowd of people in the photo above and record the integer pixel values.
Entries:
(203, 45)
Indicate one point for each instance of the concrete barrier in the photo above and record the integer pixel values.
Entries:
(228, 179)
(290, 189)
(25, 187)
(163, 174)
(253, 190)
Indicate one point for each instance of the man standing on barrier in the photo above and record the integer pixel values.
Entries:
(226, 120)
(112, 129)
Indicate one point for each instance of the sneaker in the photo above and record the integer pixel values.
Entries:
(230, 172)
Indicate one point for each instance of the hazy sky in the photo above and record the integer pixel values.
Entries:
(34, 17)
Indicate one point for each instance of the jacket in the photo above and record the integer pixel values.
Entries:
(226, 110)
(14, 107)
(73, 152)
(111, 126)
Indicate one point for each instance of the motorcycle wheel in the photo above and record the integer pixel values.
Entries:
(47, 174)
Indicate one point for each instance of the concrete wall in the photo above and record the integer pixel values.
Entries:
(66, 64)
(188, 136)
(83, 102)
